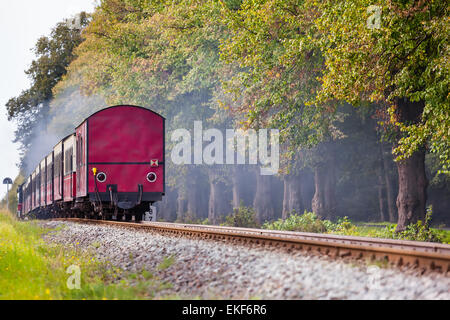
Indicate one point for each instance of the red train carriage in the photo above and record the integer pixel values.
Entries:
(43, 183)
(120, 161)
(36, 191)
(57, 172)
(69, 159)
(49, 180)
(63, 177)
(27, 196)
(111, 167)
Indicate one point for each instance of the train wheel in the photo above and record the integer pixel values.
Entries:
(138, 217)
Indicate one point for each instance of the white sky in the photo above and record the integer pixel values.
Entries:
(22, 22)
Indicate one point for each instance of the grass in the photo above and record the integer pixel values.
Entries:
(380, 229)
(31, 269)
(166, 263)
(309, 222)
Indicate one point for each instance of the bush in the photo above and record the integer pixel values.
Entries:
(421, 231)
(244, 217)
(189, 218)
(307, 222)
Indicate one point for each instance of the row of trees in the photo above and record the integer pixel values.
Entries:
(336, 78)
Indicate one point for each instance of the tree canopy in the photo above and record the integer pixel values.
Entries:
(405, 56)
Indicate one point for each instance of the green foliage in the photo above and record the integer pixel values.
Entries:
(146, 274)
(405, 58)
(271, 41)
(244, 217)
(166, 263)
(343, 224)
(307, 222)
(421, 231)
(190, 218)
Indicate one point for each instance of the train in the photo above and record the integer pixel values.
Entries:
(112, 167)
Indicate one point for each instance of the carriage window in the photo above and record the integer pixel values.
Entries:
(69, 160)
(49, 172)
(68, 163)
(78, 151)
(57, 167)
(81, 151)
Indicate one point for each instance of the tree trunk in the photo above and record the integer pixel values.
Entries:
(412, 180)
(389, 187)
(181, 205)
(263, 203)
(237, 187)
(380, 191)
(167, 207)
(286, 194)
(217, 206)
(330, 191)
(193, 208)
(324, 201)
(412, 187)
(292, 199)
(318, 201)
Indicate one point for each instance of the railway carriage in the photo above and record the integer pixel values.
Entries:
(112, 167)
(35, 191)
(69, 174)
(120, 160)
(43, 183)
(27, 196)
(58, 174)
(49, 181)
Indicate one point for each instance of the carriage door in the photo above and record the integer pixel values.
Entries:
(81, 162)
(78, 162)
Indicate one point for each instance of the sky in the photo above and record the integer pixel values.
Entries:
(22, 23)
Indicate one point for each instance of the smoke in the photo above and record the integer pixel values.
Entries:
(70, 108)
(67, 110)
(41, 145)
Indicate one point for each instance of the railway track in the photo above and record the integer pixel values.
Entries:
(425, 255)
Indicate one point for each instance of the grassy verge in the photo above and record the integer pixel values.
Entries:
(418, 231)
(309, 222)
(32, 269)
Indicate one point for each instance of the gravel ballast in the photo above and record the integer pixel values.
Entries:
(217, 270)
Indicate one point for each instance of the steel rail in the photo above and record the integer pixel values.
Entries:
(427, 255)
